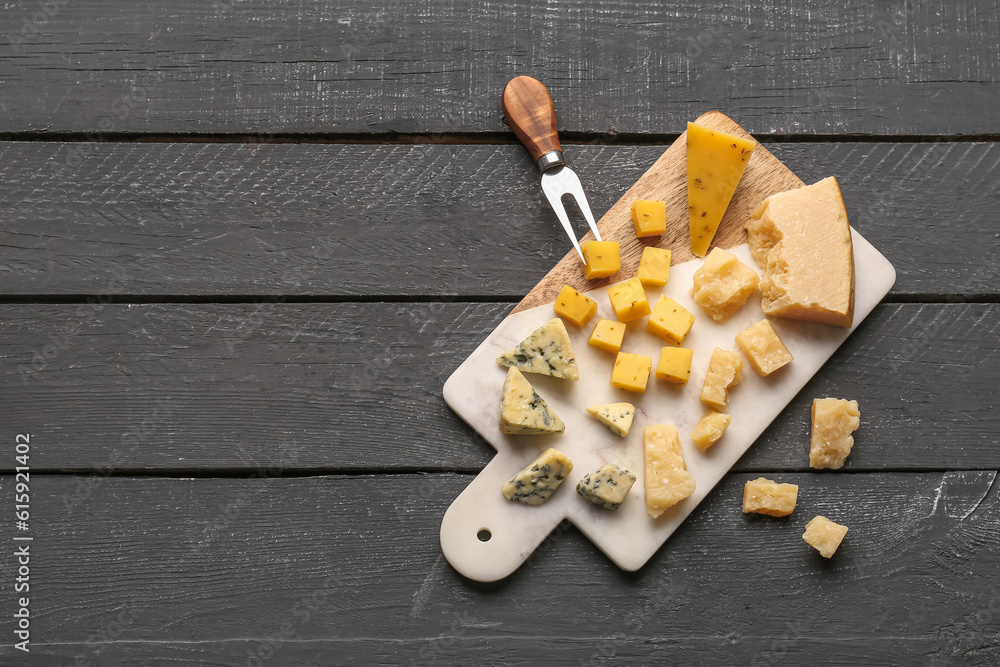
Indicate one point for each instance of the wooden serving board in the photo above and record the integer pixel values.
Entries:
(666, 181)
(628, 536)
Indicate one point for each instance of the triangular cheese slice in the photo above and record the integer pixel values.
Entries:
(616, 416)
(606, 487)
(547, 351)
(536, 483)
(522, 410)
(715, 165)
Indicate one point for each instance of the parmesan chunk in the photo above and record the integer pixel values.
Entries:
(725, 371)
(833, 422)
(667, 481)
(709, 429)
(723, 284)
(763, 348)
(824, 535)
(802, 241)
(764, 496)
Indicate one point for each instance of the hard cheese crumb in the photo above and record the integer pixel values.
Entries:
(723, 284)
(725, 371)
(709, 429)
(667, 481)
(763, 348)
(833, 421)
(765, 496)
(824, 535)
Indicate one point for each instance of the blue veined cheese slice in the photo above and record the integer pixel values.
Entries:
(607, 486)
(536, 483)
(522, 410)
(666, 478)
(616, 416)
(547, 351)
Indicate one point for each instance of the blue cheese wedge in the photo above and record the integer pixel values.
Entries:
(667, 480)
(547, 351)
(607, 486)
(522, 410)
(616, 416)
(536, 483)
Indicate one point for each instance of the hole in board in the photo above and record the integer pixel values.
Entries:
(484, 535)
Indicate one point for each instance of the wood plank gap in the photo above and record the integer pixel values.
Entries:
(467, 138)
(134, 299)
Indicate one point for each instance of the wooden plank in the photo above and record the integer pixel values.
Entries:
(666, 181)
(347, 570)
(357, 386)
(336, 220)
(370, 68)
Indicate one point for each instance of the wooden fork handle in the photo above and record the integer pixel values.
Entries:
(528, 108)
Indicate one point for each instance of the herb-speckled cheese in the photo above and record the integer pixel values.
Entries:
(607, 486)
(536, 483)
(522, 410)
(547, 351)
(616, 416)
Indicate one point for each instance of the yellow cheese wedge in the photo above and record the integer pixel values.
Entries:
(802, 241)
(715, 165)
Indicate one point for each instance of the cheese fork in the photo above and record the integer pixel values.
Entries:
(529, 111)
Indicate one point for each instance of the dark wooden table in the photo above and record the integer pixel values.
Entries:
(242, 245)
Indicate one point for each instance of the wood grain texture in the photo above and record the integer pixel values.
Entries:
(357, 386)
(353, 66)
(527, 109)
(347, 570)
(335, 220)
(666, 181)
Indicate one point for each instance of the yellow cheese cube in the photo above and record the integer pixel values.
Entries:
(725, 371)
(576, 307)
(629, 300)
(763, 348)
(608, 335)
(631, 372)
(675, 365)
(715, 165)
(723, 284)
(824, 535)
(603, 259)
(709, 429)
(667, 481)
(654, 267)
(764, 496)
(670, 320)
(833, 422)
(649, 217)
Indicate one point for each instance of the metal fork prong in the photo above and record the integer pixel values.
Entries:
(575, 188)
(555, 200)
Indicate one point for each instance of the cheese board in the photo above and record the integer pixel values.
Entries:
(486, 537)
